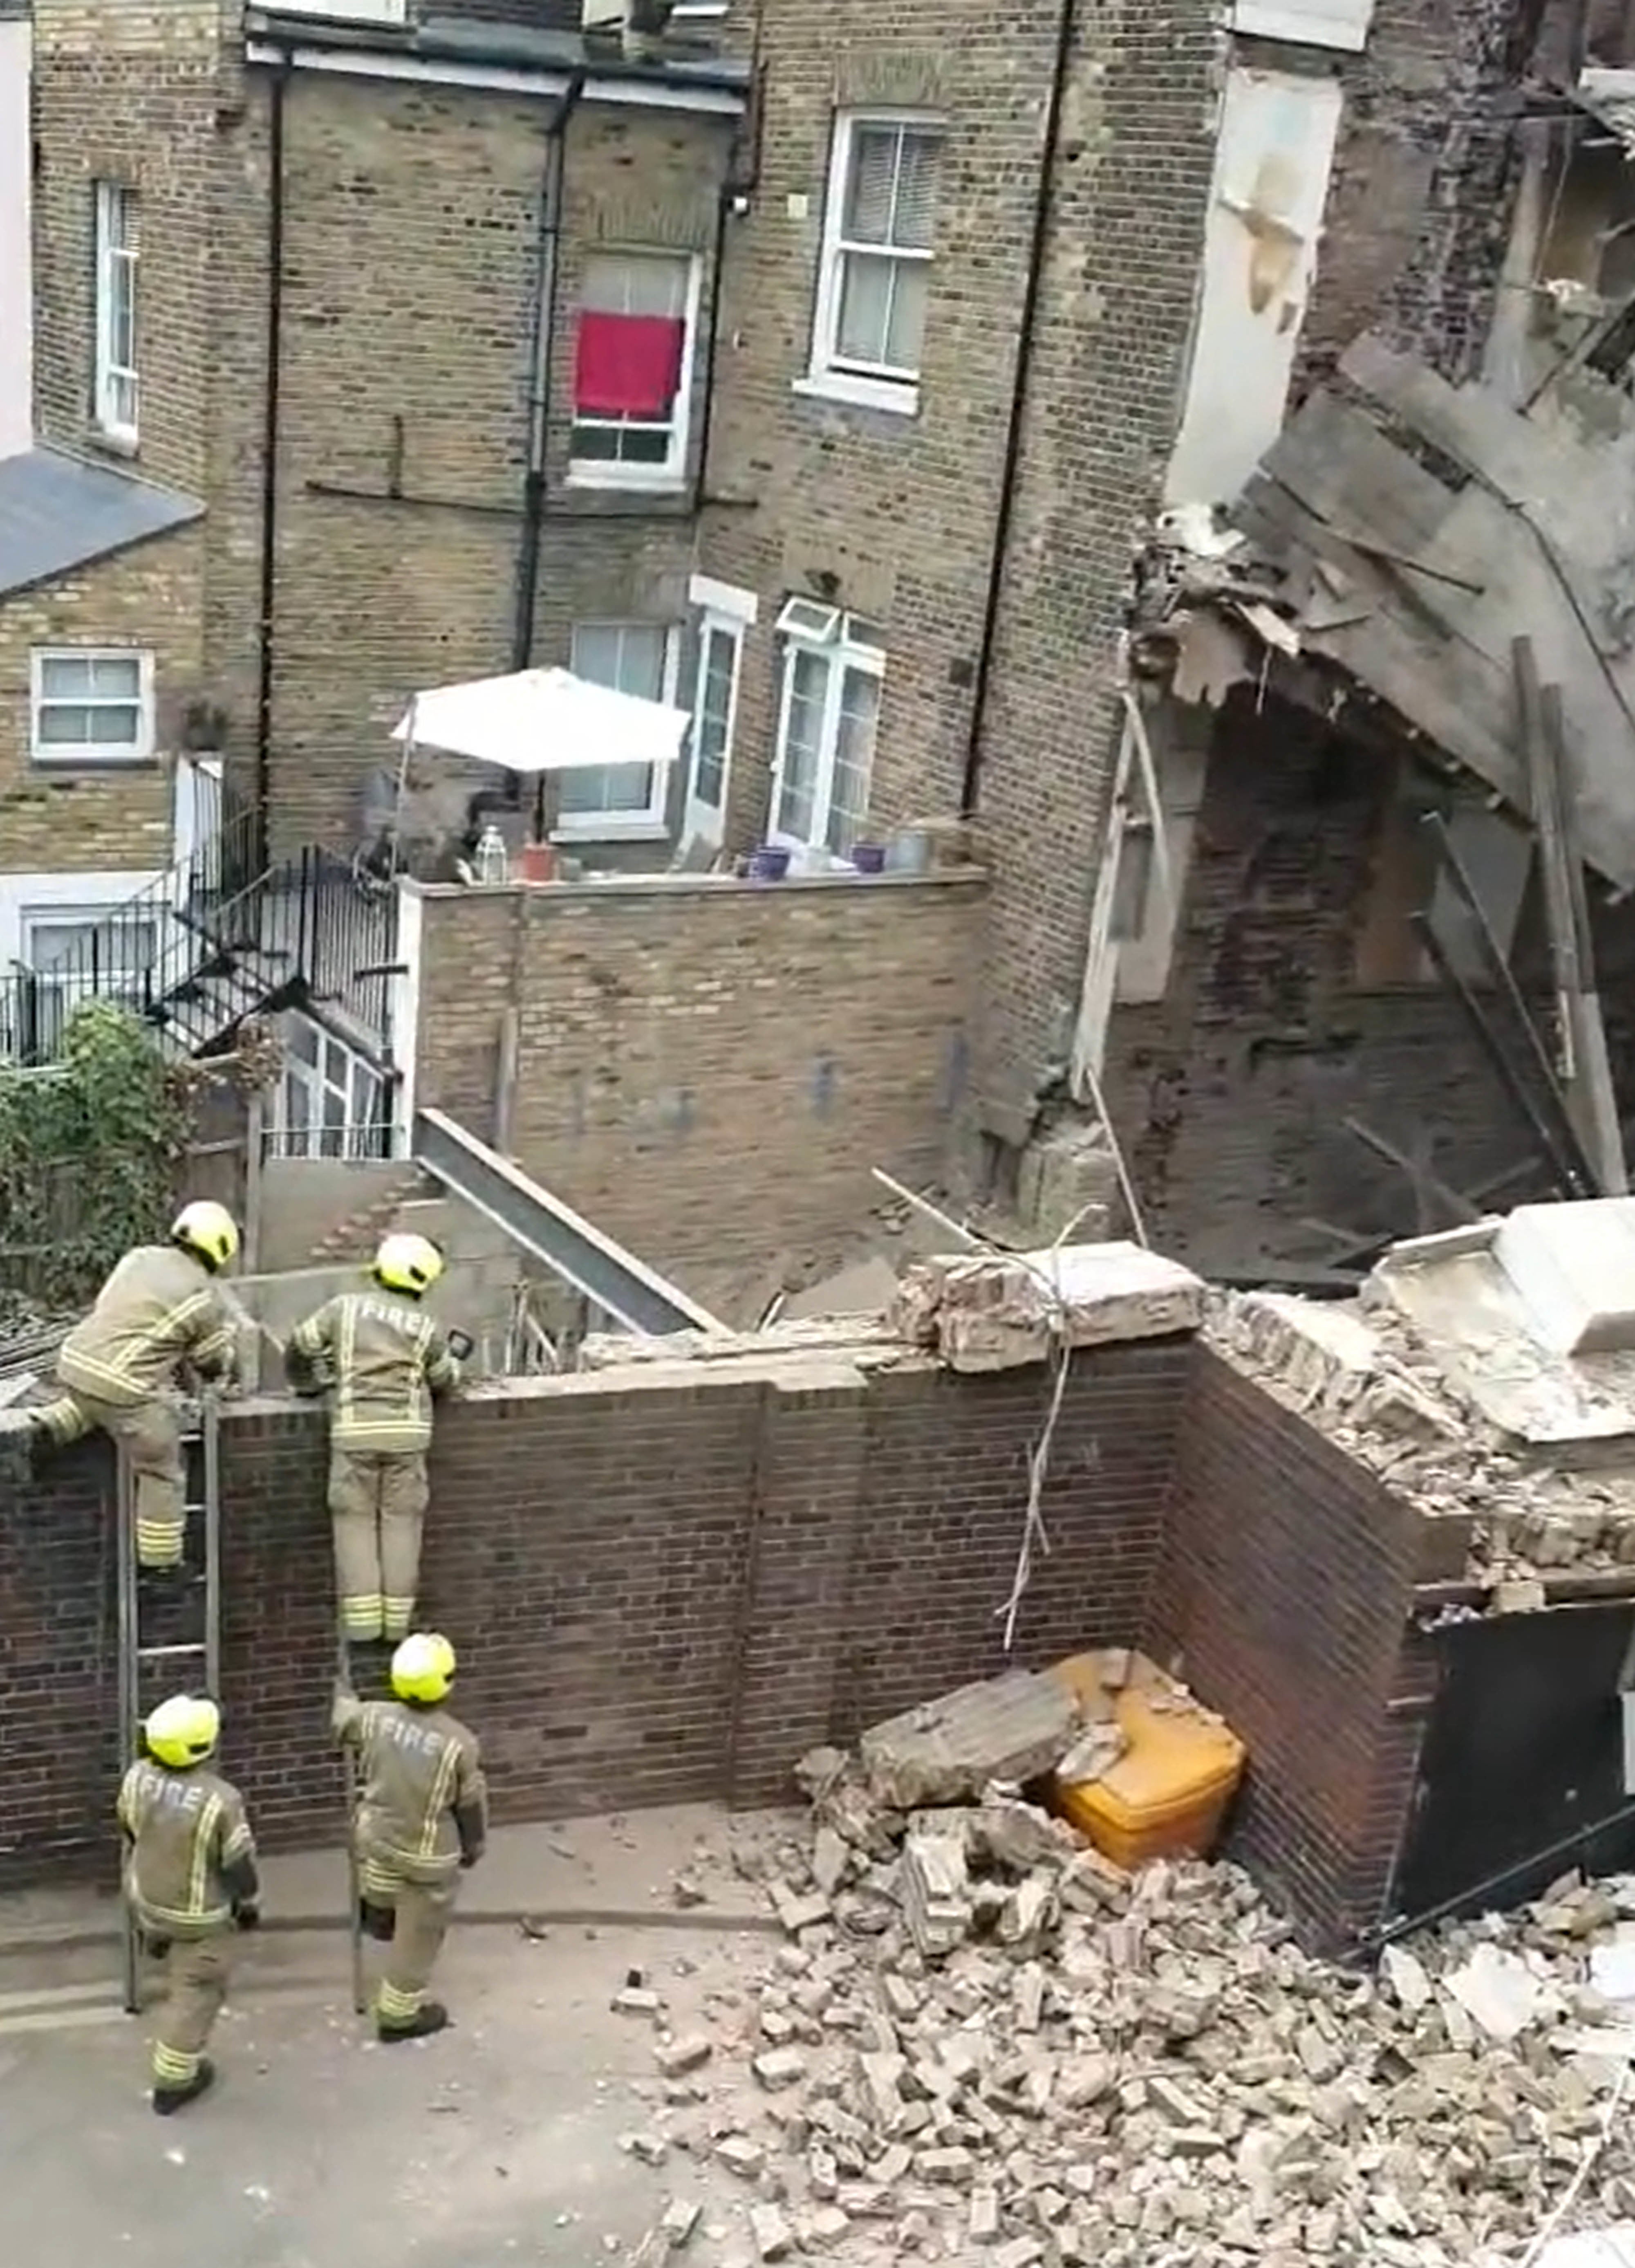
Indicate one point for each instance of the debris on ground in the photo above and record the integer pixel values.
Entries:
(992, 2044)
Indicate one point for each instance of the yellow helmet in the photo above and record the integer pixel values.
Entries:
(209, 1229)
(408, 1263)
(422, 1667)
(183, 1730)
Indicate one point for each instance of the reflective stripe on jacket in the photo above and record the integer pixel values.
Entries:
(187, 1833)
(159, 1308)
(386, 1355)
(419, 1767)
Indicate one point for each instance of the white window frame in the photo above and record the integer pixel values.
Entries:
(117, 253)
(647, 825)
(100, 755)
(601, 473)
(803, 630)
(829, 375)
(356, 1131)
(87, 914)
(723, 612)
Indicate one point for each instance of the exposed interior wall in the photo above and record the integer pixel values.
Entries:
(1296, 997)
(709, 1071)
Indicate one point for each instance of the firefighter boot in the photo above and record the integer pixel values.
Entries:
(432, 2017)
(167, 2100)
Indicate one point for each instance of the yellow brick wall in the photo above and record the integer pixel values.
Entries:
(148, 597)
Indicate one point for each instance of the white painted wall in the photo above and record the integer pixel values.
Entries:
(36, 893)
(1272, 161)
(17, 357)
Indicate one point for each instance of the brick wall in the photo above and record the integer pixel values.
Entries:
(708, 1070)
(664, 1583)
(64, 818)
(1285, 1584)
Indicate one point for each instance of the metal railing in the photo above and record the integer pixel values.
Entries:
(368, 1140)
(215, 936)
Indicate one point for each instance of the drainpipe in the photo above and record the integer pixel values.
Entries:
(706, 417)
(269, 458)
(543, 358)
(1065, 28)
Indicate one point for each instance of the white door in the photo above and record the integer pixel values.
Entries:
(715, 715)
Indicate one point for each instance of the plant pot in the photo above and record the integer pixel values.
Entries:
(869, 857)
(769, 863)
(537, 862)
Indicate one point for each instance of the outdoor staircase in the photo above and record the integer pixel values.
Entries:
(223, 936)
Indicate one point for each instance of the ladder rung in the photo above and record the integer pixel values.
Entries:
(169, 1653)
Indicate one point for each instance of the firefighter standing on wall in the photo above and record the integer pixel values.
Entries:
(422, 1814)
(383, 1358)
(191, 1881)
(160, 1309)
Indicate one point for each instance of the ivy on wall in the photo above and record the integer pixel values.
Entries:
(89, 1150)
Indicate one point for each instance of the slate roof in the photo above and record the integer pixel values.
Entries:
(57, 513)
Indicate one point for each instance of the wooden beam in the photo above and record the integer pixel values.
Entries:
(1590, 1095)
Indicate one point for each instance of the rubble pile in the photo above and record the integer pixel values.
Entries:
(980, 2041)
(1357, 1372)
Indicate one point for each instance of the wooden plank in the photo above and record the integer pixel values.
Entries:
(1533, 464)
(1338, 463)
(1590, 1096)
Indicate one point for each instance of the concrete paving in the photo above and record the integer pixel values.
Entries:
(499, 2141)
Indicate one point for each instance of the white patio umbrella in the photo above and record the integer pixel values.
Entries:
(542, 720)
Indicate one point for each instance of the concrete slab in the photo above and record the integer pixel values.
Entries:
(499, 2141)
(1574, 1266)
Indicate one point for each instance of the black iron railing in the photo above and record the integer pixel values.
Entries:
(209, 942)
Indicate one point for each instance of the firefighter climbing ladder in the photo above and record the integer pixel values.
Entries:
(192, 1656)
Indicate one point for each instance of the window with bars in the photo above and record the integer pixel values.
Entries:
(115, 378)
(638, 658)
(91, 707)
(832, 670)
(80, 954)
(877, 250)
(632, 368)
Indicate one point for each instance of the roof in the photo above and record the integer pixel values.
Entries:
(503, 36)
(57, 513)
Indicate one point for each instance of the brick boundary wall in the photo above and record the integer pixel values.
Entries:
(1284, 1597)
(665, 1582)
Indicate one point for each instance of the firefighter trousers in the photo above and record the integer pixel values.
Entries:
(195, 1986)
(377, 1499)
(149, 1434)
(421, 1912)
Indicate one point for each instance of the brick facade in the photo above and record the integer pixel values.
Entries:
(63, 818)
(667, 1581)
(709, 1071)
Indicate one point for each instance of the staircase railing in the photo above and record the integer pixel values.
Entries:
(307, 924)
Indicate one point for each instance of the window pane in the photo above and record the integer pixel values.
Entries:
(612, 791)
(907, 328)
(714, 716)
(303, 1039)
(115, 677)
(861, 334)
(868, 216)
(115, 725)
(629, 656)
(635, 283)
(915, 210)
(854, 759)
(64, 726)
(64, 677)
(803, 743)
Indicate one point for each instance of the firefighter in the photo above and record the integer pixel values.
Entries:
(382, 1358)
(160, 1309)
(190, 1879)
(422, 1814)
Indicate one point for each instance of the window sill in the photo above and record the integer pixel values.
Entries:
(67, 768)
(637, 482)
(860, 393)
(112, 443)
(612, 830)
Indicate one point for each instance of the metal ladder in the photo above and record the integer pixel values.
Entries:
(355, 1881)
(196, 1659)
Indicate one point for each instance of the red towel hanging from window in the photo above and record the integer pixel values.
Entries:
(627, 366)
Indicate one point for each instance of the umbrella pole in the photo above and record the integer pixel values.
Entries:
(538, 808)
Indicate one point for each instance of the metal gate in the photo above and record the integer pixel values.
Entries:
(1524, 1750)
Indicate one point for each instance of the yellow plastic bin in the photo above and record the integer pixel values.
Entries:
(1167, 1795)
